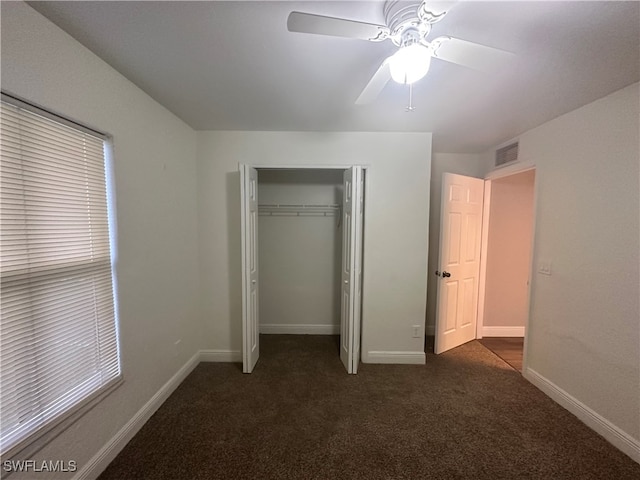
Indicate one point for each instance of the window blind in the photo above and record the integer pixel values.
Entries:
(58, 331)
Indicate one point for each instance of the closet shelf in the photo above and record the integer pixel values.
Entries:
(299, 210)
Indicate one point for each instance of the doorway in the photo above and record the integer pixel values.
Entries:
(484, 268)
(300, 251)
(506, 264)
(307, 226)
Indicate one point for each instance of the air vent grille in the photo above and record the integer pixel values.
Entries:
(507, 154)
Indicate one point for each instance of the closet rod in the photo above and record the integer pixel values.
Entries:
(299, 209)
(298, 205)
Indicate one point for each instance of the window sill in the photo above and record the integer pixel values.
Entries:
(28, 447)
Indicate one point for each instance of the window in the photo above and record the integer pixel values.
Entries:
(58, 343)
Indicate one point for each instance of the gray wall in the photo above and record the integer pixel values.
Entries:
(155, 189)
(395, 228)
(584, 332)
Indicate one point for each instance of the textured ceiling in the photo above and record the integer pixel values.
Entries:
(234, 65)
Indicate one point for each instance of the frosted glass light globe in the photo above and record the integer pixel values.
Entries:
(410, 63)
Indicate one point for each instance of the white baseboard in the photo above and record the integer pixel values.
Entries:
(299, 329)
(94, 467)
(221, 356)
(502, 331)
(614, 435)
(405, 358)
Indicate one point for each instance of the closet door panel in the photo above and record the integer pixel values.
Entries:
(249, 240)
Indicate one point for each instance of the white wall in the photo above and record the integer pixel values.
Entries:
(155, 182)
(396, 226)
(584, 330)
(300, 256)
(462, 164)
(509, 251)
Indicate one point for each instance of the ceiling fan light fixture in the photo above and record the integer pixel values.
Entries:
(410, 63)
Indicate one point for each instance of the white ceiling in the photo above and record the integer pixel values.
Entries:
(234, 66)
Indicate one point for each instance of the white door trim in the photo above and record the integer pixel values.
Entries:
(509, 170)
(486, 210)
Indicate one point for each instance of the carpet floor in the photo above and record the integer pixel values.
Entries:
(464, 415)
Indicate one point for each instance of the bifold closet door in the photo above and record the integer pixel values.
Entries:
(350, 318)
(249, 244)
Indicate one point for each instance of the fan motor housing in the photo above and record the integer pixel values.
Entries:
(402, 15)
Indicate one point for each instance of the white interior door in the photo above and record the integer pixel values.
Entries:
(459, 264)
(350, 318)
(249, 232)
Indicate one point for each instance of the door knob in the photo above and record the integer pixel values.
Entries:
(445, 274)
(346, 282)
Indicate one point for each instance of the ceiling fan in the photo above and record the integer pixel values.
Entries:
(407, 25)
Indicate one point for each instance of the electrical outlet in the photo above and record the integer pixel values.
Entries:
(416, 331)
(544, 268)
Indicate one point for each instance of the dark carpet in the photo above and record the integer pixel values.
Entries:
(466, 414)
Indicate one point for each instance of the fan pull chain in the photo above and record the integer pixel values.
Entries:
(410, 107)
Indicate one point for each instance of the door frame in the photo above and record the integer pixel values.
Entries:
(344, 166)
(503, 172)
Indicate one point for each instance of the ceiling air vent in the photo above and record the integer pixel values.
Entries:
(507, 154)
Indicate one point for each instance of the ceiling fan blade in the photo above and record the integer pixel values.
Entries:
(335, 27)
(470, 54)
(433, 12)
(375, 85)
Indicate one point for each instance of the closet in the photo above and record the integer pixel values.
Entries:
(302, 243)
(300, 251)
